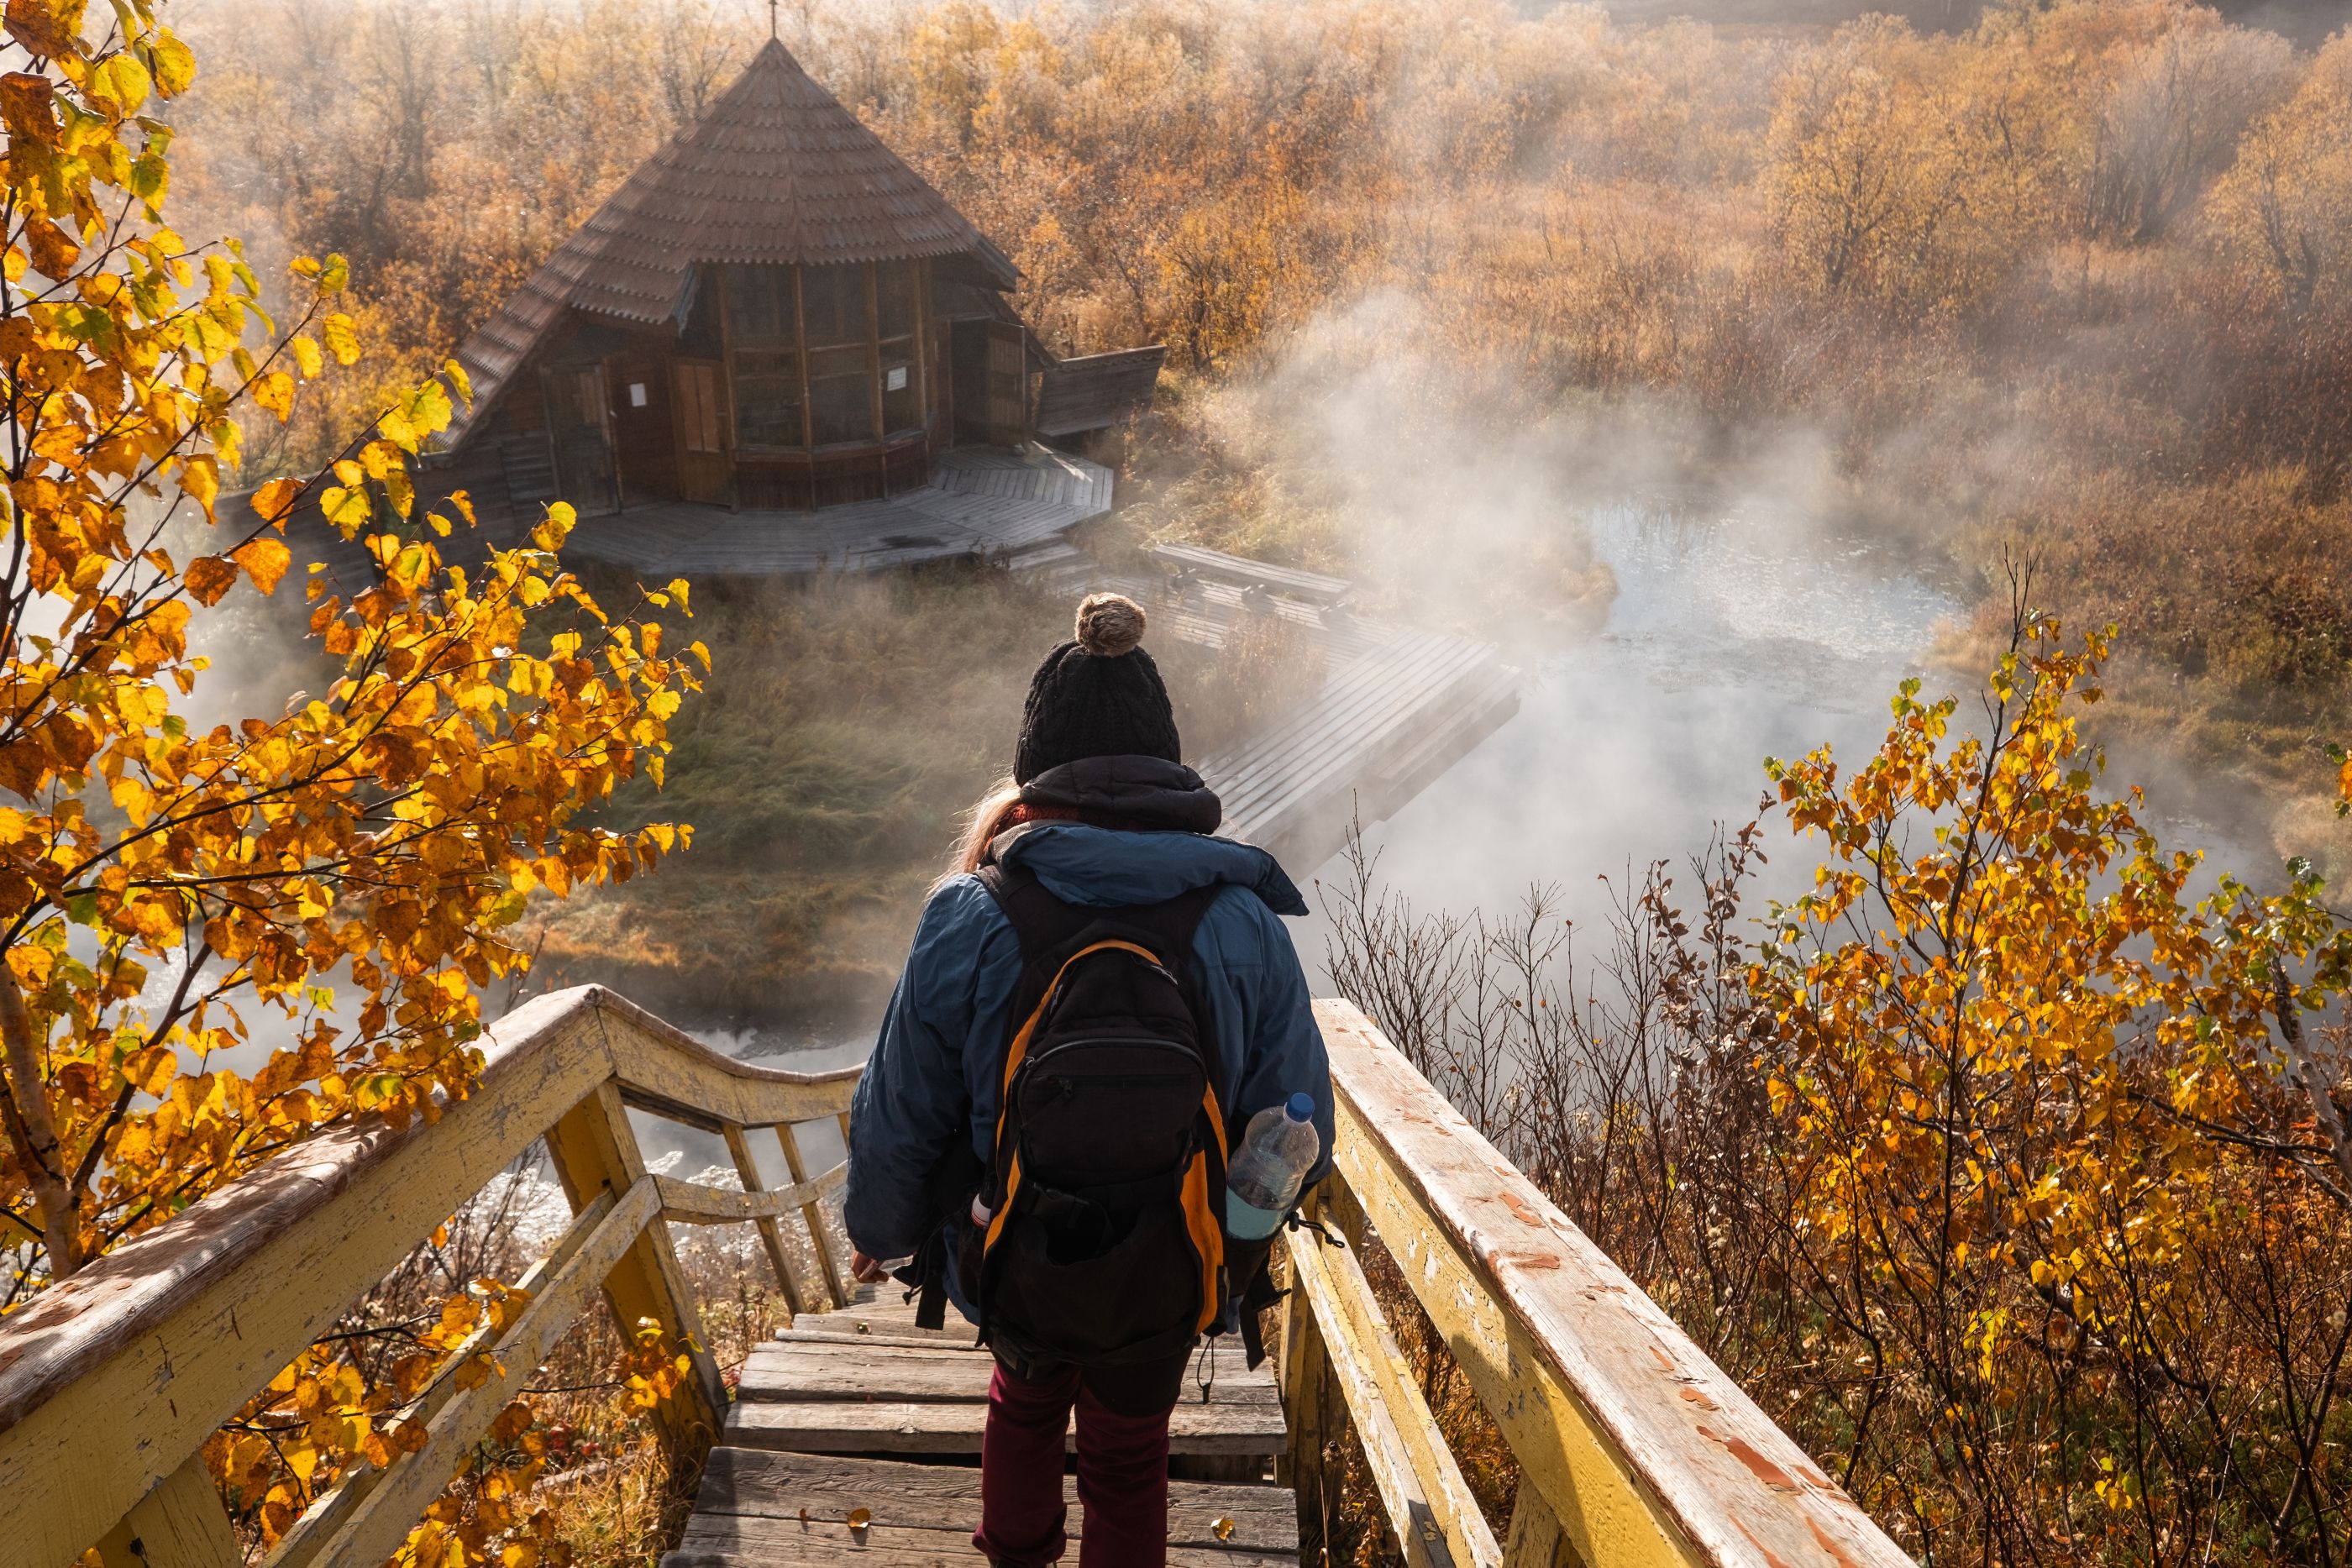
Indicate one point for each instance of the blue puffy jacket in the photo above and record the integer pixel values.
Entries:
(934, 1068)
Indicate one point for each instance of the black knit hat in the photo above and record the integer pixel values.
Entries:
(1099, 694)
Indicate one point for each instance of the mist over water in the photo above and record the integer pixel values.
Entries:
(1736, 634)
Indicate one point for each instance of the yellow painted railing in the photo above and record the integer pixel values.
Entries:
(111, 1382)
(1634, 1449)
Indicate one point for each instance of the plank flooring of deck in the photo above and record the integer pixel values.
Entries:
(982, 503)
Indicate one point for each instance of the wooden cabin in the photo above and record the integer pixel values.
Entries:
(774, 313)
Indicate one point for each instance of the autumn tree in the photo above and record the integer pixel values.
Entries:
(2172, 119)
(316, 895)
(2285, 209)
(2062, 1163)
(1896, 176)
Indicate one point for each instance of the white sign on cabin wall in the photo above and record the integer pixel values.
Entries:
(896, 381)
(637, 394)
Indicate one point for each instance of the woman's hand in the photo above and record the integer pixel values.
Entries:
(866, 1270)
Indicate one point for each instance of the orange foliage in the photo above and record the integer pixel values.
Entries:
(181, 905)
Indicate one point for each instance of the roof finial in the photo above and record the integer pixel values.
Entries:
(772, 19)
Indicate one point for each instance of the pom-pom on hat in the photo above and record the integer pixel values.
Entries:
(1099, 694)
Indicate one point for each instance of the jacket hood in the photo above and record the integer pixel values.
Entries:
(1137, 791)
(1104, 868)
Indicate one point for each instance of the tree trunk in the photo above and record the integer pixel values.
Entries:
(33, 1132)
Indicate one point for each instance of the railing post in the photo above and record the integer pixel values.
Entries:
(813, 1214)
(1537, 1539)
(771, 1236)
(181, 1524)
(593, 1150)
(1310, 1400)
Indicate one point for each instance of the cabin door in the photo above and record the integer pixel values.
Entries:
(704, 472)
(645, 444)
(580, 425)
(991, 382)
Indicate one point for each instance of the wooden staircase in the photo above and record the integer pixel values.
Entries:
(1634, 1450)
(858, 1409)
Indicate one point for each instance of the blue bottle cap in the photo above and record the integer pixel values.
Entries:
(1301, 1108)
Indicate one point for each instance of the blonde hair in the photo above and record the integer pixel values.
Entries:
(982, 824)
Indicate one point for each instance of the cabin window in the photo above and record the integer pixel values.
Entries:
(760, 306)
(767, 399)
(822, 356)
(841, 404)
(841, 354)
(762, 331)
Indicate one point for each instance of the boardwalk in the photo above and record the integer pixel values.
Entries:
(828, 1416)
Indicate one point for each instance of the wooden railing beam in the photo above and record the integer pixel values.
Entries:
(1311, 1405)
(1537, 1539)
(811, 1215)
(111, 1382)
(382, 1519)
(593, 1150)
(690, 1203)
(771, 1236)
(180, 1525)
(162, 1340)
(1429, 1502)
(1647, 1455)
(316, 1531)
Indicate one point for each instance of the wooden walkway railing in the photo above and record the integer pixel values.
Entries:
(111, 1382)
(1635, 1451)
(1633, 1448)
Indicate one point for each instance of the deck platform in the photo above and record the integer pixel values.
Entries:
(984, 503)
(860, 1408)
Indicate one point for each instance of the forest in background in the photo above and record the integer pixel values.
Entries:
(2077, 281)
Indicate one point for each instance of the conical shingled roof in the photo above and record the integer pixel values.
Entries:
(777, 170)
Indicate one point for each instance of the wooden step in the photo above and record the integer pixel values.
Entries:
(913, 1370)
(790, 1510)
(883, 1398)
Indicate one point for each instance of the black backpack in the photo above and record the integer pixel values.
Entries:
(1105, 1243)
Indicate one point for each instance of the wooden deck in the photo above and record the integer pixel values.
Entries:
(858, 1409)
(983, 503)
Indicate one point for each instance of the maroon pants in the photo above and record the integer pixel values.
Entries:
(1122, 1470)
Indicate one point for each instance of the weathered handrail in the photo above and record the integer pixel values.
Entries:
(111, 1382)
(1633, 1446)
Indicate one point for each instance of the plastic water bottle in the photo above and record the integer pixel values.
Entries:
(1263, 1178)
